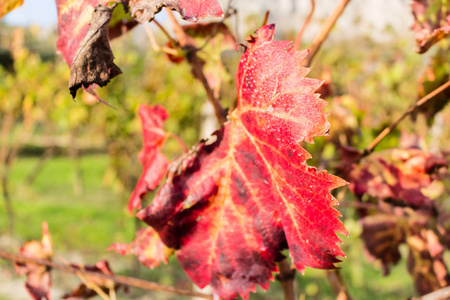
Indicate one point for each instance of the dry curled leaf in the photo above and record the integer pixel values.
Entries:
(93, 63)
(73, 24)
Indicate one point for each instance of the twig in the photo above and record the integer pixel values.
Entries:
(326, 27)
(410, 110)
(286, 278)
(129, 281)
(337, 283)
(298, 40)
(266, 18)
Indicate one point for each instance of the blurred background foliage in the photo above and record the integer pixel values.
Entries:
(74, 163)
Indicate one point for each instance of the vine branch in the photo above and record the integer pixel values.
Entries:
(323, 33)
(409, 111)
(129, 281)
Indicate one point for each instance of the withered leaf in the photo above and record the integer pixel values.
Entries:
(93, 63)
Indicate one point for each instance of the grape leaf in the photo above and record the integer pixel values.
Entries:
(38, 276)
(432, 22)
(396, 175)
(382, 235)
(8, 5)
(426, 261)
(190, 10)
(153, 161)
(147, 246)
(86, 289)
(235, 202)
(93, 62)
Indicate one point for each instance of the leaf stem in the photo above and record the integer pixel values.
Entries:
(129, 281)
(163, 30)
(266, 17)
(298, 40)
(286, 278)
(338, 285)
(179, 140)
(409, 111)
(323, 33)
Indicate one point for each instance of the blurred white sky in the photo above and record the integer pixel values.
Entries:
(33, 12)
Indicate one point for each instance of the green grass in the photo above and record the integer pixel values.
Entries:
(87, 221)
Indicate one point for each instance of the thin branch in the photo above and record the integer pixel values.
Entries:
(393, 125)
(326, 27)
(338, 285)
(286, 278)
(266, 18)
(129, 281)
(298, 40)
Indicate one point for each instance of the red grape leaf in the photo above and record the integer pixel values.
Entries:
(190, 10)
(85, 290)
(93, 62)
(397, 175)
(147, 246)
(73, 24)
(38, 276)
(236, 202)
(432, 22)
(426, 261)
(154, 162)
(8, 5)
(382, 235)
